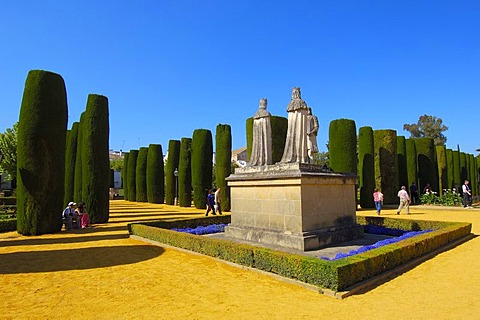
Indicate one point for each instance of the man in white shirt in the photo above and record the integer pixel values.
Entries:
(69, 214)
(404, 200)
(467, 195)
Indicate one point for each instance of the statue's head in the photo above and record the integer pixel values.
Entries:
(263, 103)
(296, 93)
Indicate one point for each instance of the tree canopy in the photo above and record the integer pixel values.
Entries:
(428, 127)
(8, 147)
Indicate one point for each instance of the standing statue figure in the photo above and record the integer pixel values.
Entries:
(312, 134)
(296, 144)
(262, 137)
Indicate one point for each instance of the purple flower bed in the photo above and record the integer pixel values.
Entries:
(213, 228)
(397, 233)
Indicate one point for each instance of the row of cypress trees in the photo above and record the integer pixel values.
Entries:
(55, 166)
(191, 158)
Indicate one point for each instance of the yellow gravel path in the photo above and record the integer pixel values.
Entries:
(101, 273)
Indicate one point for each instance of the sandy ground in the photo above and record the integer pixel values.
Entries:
(100, 273)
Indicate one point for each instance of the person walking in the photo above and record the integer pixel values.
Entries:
(218, 207)
(404, 200)
(467, 195)
(210, 203)
(378, 199)
(414, 193)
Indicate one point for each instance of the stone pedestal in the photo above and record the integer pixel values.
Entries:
(293, 205)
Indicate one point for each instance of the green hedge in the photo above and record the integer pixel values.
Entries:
(223, 165)
(450, 183)
(279, 127)
(441, 153)
(463, 167)
(342, 146)
(366, 167)
(386, 173)
(141, 175)
(95, 159)
(70, 159)
(426, 161)
(41, 143)
(132, 175)
(185, 173)
(411, 161)
(77, 187)
(202, 153)
(402, 161)
(7, 225)
(125, 175)
(155, 174)
(172, 164)
(456, 170)
(335, 275)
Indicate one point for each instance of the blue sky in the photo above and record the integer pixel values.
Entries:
(170, 67)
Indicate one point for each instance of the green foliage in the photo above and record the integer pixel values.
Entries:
(428, 127)
(117, 164)
(321, 158)
(202, 153)
(441, 153)
(385, 157)
(172, 164)
(411, 161)
(185, 173)
(132, 175)
(125, 175)
(366, 167)
(427, 166)
(8, 147)
(41, 154)
(449, 198)
(402, 161)
(450, 183)
(95, 159)
(77, 184)
(223, 156)
(456, 169)
(141, 175)
(343, 146)
(463, 167)
(155, 174)
(70, 159)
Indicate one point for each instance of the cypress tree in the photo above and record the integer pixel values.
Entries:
(131, 175)
(386, 168)
(366, 167)
(124, 175)
(77, 184)
(473, 176)
(450, 183)
(463, 167)
(402, 161)
(185, 173)
(456, 171)
(279, 127)
(95, 159)
(223, 163)
(442, 168)
(70, 157)
(41, 141)
(411, 157)
(202, 153)
(172, 164)
(343, 145)
(155, 174)
(141, 175)
(427, 167)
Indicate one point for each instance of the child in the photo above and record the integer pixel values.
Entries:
(210, 203)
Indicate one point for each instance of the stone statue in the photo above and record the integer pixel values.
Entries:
(312, 134)
(262, 137)
(296, 144)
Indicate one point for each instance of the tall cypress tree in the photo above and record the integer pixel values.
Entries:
(185, 173)
(155, 174)
(41, 141)
(342, 145)
(427, 167)
(95, 159)
(131, 175)
(223, 163)
(411, 161)
(366, 167)
(77, 184)
(386, 167)
(402, 161)
(202, 153)
(141, 175)
(463, 167)
(124, 175)
(70, 158)
(456, 171)
(172, 165)
(450, 183)
(442, 168)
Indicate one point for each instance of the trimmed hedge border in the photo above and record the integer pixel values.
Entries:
(336, 275)
(7, 225)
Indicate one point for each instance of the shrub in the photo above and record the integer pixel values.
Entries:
(386, 173)
(342, 146)
(132, 175)
(141, 175)
(366, 167)
(185, 173)
(172, 164)
(41, 142)
(223, 167)
(202, 153)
